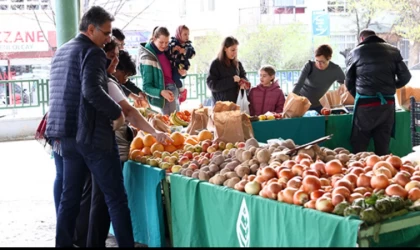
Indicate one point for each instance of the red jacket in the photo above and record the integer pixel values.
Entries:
(263, 99)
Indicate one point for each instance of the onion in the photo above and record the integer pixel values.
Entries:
(251, 177)
(357, 171)
(324, 204)
(311, 183)
(416, 173)
(344, 183)
(356, 164)
(338, 198)
(354, 196)
(395, 161)
(335, 178)
(333, 167)
(319, 167)
(294, 183)
(252, 187)
(327, 195)
(368, 169)
(415, 178)
(260, 179)
(317, 193)
(408, 168)
(263, 193)
(383, 170)
(360, 190)
(306, 162)
(302, 156)
(287, 173)
(310, 172)
(289, 163)
(341, 190)
(379, 181)
(372, 160)
(272, 181)
(298, 169)
(240, 186)
(401, 179)
(325, 182)
(380, 164)
(352, 178)
(310, 204)
(288, 194)
(411, 185)
(327, 188)
(268, 173)
(396, 189)
(414, 194)
(272, 190)
(367, 194)
(300, 197)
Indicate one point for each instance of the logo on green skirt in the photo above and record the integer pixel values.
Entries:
(243, 225)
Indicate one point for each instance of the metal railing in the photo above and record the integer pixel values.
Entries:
(35, 93)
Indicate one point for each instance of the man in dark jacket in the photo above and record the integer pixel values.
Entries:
(375, 69)
(82, 118)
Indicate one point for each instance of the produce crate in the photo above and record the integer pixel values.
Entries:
(415, 121)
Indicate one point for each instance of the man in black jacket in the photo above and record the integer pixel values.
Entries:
(82, 118)
(375, 69)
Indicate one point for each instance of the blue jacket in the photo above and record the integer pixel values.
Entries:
(79, 104)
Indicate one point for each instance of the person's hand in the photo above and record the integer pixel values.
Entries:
(162, 138)
(182, 72)
(177, 48)
(137, 99)
(244, 84)
(168, 95)
(116, 124)
(236, 79)
(182, 51)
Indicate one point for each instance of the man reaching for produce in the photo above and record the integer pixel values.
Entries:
(375, 69)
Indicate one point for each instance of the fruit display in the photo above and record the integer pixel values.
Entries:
(164, 123)
(370, 187)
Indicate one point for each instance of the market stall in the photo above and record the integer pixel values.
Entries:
(301, 130)
(205, 215)
(340, 126)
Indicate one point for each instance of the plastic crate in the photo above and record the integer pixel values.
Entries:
(415, 121)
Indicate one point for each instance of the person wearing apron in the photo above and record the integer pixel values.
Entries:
(375, 69)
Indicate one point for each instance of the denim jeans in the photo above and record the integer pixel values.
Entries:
(106, 169)
(170, 107)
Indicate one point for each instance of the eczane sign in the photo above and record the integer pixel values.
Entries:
(22, 41)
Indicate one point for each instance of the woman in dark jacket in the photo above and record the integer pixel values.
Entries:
(226, 73)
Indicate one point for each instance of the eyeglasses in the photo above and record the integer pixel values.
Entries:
(103, 32)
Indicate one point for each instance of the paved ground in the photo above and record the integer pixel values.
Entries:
(27, 214)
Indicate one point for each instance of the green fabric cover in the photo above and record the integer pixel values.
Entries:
(143, 187)
(301, 130)
(340, 126)
(205, 215)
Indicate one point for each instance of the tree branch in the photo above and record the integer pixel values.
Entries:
(138, 14)
(42, 30)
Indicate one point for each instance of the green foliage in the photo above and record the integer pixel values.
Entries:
(206, 49)
(283, 46)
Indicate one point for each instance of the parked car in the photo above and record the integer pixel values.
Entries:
(20, 95)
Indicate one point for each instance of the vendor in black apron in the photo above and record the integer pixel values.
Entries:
(375, 69)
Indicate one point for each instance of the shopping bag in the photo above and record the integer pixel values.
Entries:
(227, 126)
(40, 134)
(199, 121)
(403, 96)
(295, 106)
(243, 102)
(247, 127)
(345, 96)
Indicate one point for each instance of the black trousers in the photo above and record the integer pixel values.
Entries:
(373, 122)
(94, 219)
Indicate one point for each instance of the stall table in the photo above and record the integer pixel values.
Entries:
(205, 215)
(340, 126)
(301, 130)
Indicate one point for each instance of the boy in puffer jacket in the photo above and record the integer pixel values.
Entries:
(179, 52)
(266, 96)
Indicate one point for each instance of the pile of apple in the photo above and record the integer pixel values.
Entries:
(270, 116)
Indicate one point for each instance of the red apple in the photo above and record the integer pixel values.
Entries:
(193, 166)
(205, 146)
(189, 155)
(240, 145)
(183, 160)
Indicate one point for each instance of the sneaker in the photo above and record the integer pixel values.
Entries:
(182, 96)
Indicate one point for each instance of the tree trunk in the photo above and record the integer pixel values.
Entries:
(413, 57)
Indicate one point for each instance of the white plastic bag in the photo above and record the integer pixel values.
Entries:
(242, 101)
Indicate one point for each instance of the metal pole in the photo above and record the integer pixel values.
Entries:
(67, 19)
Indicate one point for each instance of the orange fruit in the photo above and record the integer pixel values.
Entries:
(178, 138)
(149, 140)
(191, 141)
(187, 113)
(137, 143)
(170, 148)
(136, 153)
(157, 147)
(205, 135)
(146, 151)
(180, 147)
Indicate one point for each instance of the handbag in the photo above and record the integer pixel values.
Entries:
(40, 134)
